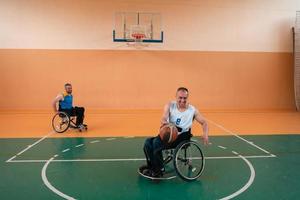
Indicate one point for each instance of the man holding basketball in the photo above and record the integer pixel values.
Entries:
(181, 114)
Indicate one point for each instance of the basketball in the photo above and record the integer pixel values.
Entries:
(168, 133)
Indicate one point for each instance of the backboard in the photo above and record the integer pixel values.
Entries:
(138, 27)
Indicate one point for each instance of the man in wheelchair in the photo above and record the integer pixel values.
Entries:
(65, 104)
(182, 114)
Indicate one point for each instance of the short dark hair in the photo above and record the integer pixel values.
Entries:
(68, 84)
(183, 89)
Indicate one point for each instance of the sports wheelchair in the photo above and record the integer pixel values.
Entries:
(188, 161)
(61, 122)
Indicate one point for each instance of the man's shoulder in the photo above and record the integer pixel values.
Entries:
(60, 95)
(171, 104)
(192, 107)
(64, 94)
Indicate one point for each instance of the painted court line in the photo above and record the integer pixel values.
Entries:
(153, 178)
(79, 145)
(9, 160)
(232, 133)
(66, 150)
(110, 138)
(30, 146)
(128, 137)
(132, 159)
(247, 185)
(65, 196)
(222, 147)
(48, 184)
(95, 141)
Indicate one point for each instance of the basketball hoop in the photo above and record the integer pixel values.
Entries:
(138, 28)
(138, 36)
(137, 42)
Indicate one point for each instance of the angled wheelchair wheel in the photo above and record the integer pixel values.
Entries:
(60, 122)
(189, 160)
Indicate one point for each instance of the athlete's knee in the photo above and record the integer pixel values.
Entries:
(80, 109)
(148, 143)
(157, 143)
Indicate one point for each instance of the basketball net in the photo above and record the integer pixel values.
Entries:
(138, 34)
(137, 41)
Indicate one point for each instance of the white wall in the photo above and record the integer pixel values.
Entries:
(201, 25)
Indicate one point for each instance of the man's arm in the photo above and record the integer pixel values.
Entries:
(56, 100)
(200, 119)
(165, 116)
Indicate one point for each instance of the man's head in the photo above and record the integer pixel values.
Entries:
(182, 95)
(68, 88)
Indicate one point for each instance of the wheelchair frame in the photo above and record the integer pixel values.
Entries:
(64, 122)
(193, 172)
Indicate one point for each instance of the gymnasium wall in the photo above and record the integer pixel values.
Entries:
(231, 54)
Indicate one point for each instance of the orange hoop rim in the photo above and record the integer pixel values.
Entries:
(138, 36)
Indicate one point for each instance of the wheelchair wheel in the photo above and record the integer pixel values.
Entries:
(189, 160)
(60, 122)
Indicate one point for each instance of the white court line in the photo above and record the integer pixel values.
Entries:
(110, 138)
(9, 160)
(95, 141)
(48, 184)
(154, 178)
(66, 150)
(30, 146)
(232, 133)
(234, 152)
(79, 145)
(132, 159)
(247, 185)
(222, 147)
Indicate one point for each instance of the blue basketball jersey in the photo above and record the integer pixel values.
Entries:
(67, 102)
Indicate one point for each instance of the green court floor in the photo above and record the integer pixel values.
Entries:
(251, 167)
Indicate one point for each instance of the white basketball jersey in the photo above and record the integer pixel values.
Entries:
(183, 119)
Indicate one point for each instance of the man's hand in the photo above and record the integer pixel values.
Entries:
(205, 140)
